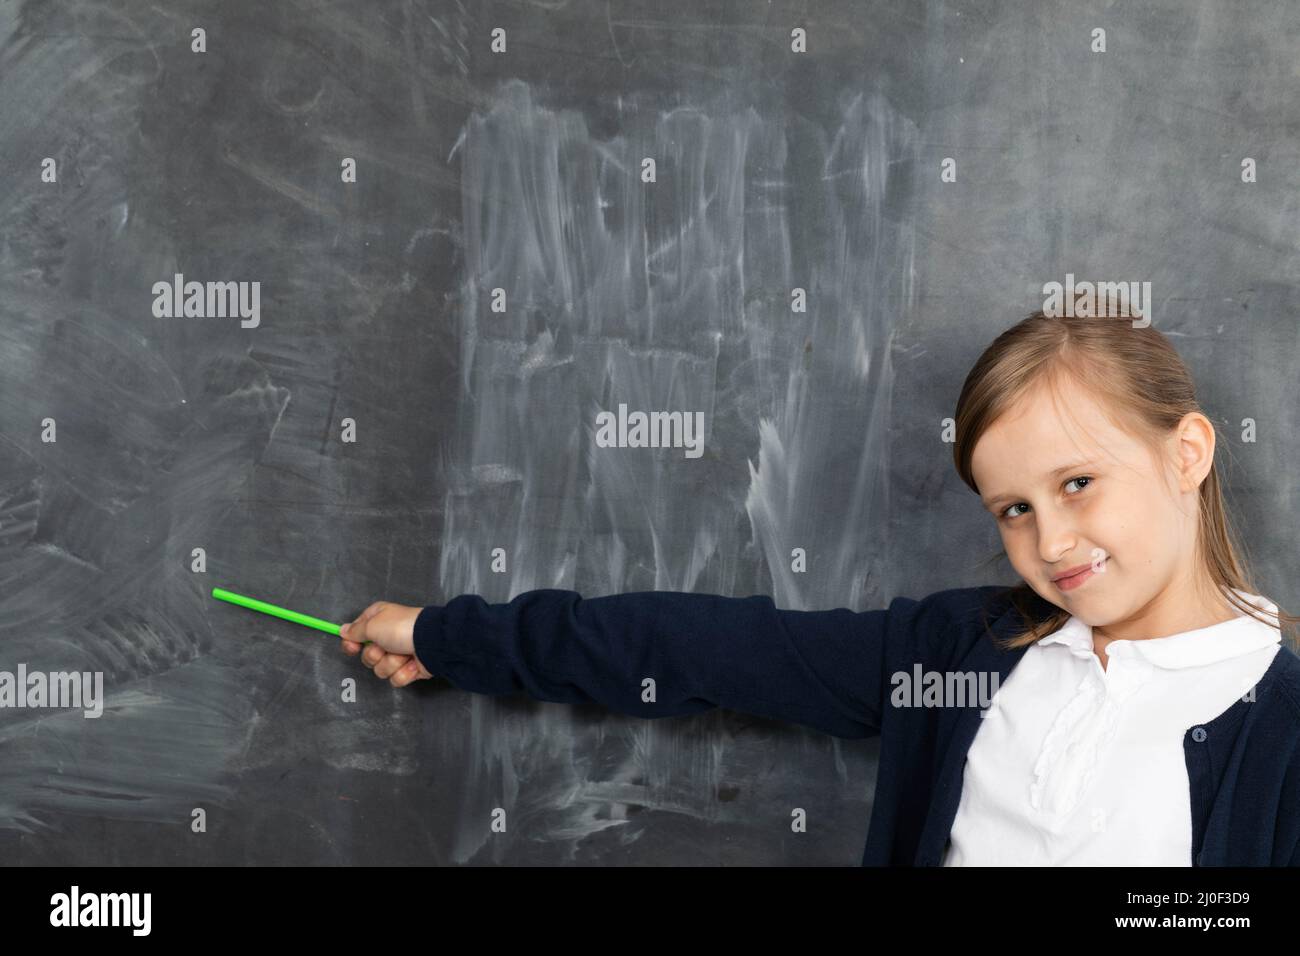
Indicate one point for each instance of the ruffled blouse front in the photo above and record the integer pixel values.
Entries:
(1080, 733)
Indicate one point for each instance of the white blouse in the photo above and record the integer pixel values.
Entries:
(1079, 766)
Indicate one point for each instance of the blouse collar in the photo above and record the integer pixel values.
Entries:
(1203, 645)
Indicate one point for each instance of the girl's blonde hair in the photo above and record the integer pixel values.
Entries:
(1137, 376)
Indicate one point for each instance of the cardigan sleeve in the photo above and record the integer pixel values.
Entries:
(670, 653)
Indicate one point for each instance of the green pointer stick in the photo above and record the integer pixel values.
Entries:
(256, 605)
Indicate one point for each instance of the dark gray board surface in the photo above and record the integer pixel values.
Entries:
(474, 429)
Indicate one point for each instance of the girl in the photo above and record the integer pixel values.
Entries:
(1146, 711)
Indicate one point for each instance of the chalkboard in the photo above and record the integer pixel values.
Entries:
(430, 243)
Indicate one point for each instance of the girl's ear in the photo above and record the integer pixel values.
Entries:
(1196, 440)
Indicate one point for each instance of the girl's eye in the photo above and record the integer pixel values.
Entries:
(1084, 478)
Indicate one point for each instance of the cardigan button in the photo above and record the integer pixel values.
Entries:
(1198, 734)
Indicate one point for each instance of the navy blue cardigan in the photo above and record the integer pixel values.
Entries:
(830, 670)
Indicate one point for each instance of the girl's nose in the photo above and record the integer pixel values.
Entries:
(1056, 537)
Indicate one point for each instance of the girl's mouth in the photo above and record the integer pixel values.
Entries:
(1070, 582)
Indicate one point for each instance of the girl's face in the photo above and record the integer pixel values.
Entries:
(1070, 488)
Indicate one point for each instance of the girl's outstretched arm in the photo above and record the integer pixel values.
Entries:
(669, 653)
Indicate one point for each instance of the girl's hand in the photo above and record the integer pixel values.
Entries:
(391, 629)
